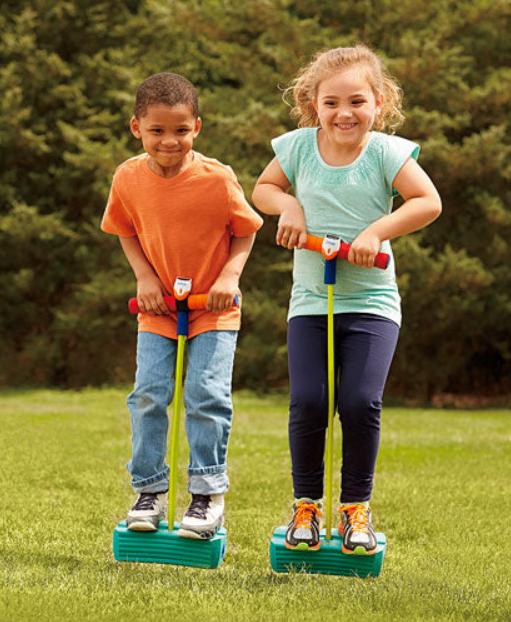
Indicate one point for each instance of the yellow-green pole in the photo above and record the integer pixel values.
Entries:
(331, 408)
(176, 420)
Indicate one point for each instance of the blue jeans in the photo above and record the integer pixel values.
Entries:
(208, 404)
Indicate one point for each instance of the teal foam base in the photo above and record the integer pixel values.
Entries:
(166, 547)
(329, 559)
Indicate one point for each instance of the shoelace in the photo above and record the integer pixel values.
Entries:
(305, 513)
(357, 516)
(199, 506)
(146, 501)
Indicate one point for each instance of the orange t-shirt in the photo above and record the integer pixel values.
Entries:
(184, 225)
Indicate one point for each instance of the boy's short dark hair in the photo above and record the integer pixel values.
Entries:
(166, 88)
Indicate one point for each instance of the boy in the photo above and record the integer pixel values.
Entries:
(179, 213)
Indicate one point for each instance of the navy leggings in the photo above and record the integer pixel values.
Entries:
(364, 347)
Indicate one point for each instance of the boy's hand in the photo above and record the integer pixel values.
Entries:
(150, 292)
(364, 249)
(222, 293)
(292, 230)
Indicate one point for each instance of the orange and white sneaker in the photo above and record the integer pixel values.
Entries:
(356, 529)
(303, 530)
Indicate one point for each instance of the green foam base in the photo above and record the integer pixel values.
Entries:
(166, 547)
(329, 559)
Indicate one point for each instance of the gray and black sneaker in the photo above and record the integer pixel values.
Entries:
(356, 529)
(303, 530)
(203, 518)
(147, 512)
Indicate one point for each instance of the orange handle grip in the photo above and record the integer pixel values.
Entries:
(313, 243)
(197, 301)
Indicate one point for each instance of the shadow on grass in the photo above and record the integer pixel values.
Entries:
(56, 565)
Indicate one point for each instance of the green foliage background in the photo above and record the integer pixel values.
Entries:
(68, 75)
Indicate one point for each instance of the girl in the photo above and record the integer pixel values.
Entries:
(344, 175)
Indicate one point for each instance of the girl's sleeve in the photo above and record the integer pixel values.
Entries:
(116, 219)
(396, 153)
(286, 150)
(243, 219)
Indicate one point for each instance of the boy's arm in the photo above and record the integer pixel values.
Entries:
(150, 289)
(421, 207)
(226, 285)
(271, 197)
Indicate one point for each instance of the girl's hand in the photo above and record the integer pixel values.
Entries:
(222, 293)
(150, 292)
(292, 230)
(364, 249)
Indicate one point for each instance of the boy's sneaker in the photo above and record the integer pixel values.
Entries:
(147, 512)
(357, 530)
(303, 530)
(203, 518)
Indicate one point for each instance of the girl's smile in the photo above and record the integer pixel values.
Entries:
(345, 126)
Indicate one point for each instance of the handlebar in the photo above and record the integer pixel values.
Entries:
(315, 243)
(193, 302)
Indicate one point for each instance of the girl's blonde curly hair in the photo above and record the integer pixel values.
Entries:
(304, 88)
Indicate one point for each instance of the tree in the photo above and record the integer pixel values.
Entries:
(68, 76)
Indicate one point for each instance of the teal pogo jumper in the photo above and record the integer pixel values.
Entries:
(165, 546)
(329, 559)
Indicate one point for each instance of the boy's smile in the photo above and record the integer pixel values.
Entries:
(346, 108)
(167, 134)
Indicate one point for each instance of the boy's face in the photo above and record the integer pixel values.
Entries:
(167, 133)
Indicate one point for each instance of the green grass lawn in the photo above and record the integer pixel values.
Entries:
(442, 496)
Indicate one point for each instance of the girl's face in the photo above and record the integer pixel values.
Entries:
(346, 106)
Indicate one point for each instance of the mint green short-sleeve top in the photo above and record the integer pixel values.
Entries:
(343, 200)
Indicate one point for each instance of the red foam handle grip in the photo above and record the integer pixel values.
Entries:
(170, 301)
(315, 243)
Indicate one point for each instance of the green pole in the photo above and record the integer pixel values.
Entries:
(331, 407)
(176, 420)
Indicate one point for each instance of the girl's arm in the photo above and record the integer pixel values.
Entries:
(226, 286)
(421, 207)
(271, 197)
(150, 289)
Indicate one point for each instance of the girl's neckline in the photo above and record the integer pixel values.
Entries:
(315, 133)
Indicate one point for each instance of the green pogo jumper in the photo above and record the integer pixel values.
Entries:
(165, 546)
(329, 559)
